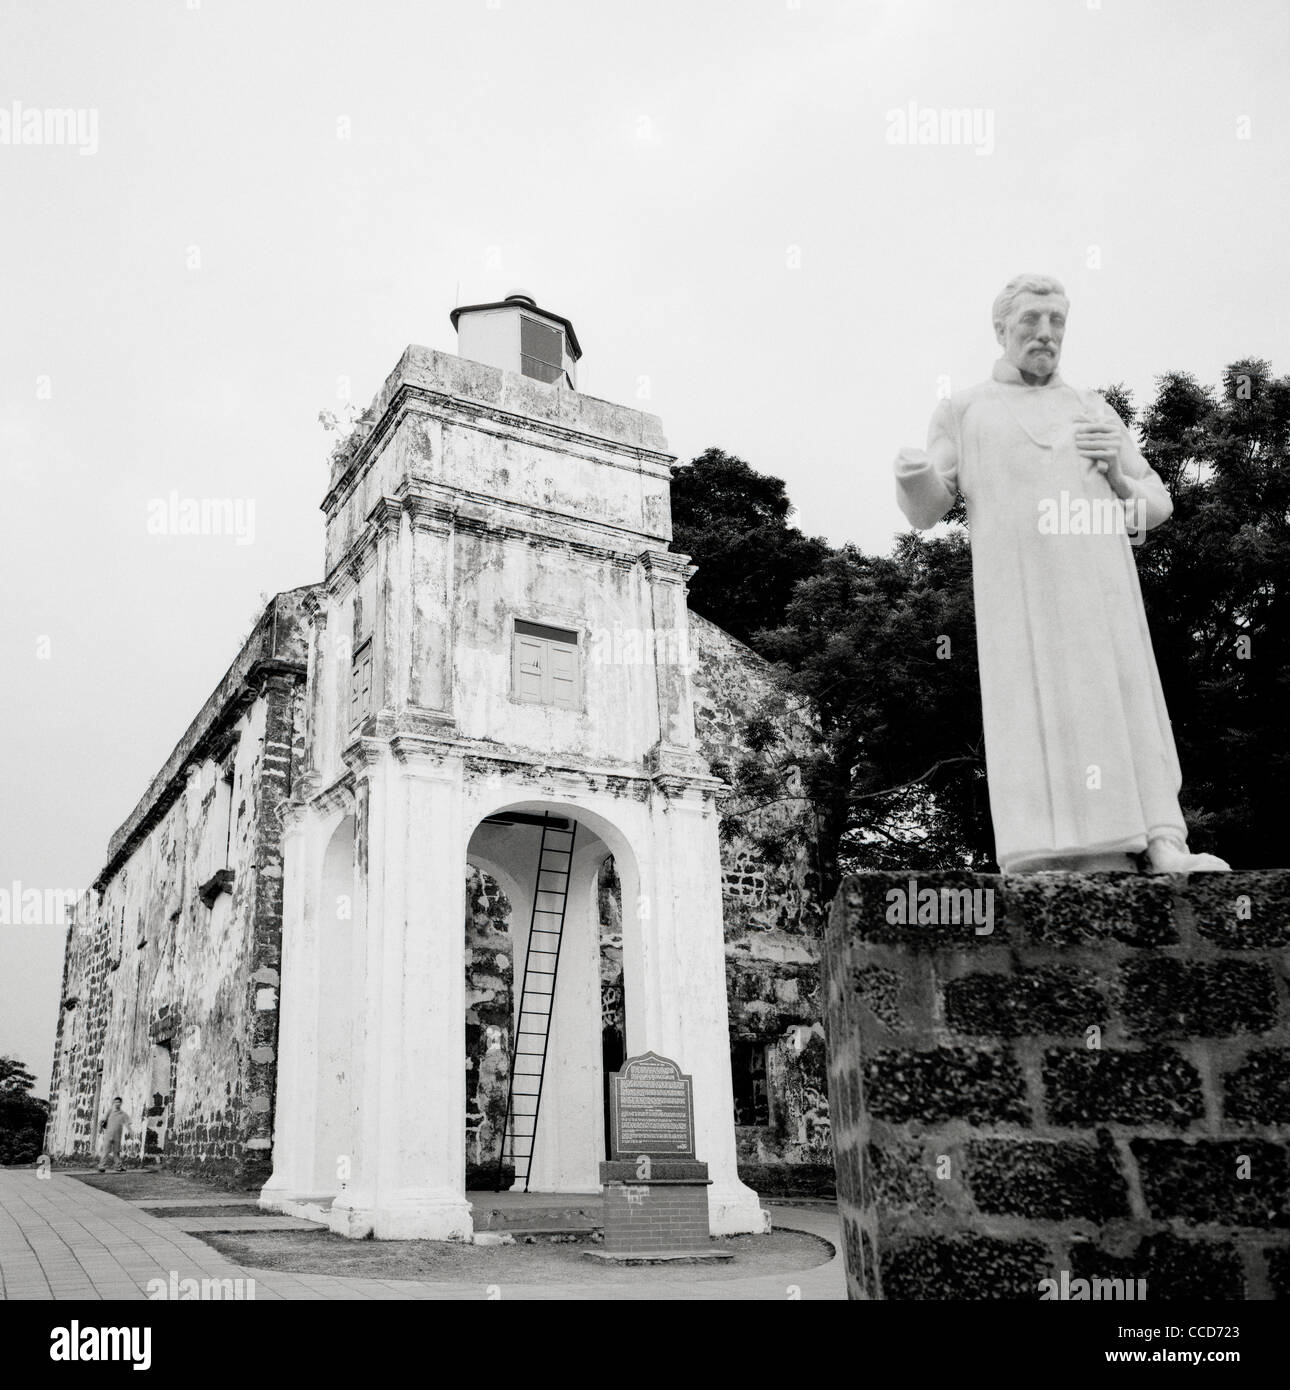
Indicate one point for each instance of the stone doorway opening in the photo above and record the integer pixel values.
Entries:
(157, 1111)
(506, 877)
(613, 1012)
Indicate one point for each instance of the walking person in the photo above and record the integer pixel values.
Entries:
(114, 1127)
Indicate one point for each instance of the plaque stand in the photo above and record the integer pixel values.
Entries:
(655, 1189)
(659, 1218)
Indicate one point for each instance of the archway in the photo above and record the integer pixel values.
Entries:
(513, 896)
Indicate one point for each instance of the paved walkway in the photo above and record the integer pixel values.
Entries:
(60, 1238)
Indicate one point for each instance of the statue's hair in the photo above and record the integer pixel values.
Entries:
(1028, 283)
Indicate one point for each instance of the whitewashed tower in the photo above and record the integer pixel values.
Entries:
(501, 636)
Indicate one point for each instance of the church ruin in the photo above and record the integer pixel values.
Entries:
(452, 838)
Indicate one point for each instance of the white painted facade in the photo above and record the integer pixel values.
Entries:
(481, 498)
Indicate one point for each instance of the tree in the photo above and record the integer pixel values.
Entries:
(733, 522)
(884, 649)
(1216, 583)
(22, 1116)
(14, 1076)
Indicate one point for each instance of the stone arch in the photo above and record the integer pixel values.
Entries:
(572, 1116)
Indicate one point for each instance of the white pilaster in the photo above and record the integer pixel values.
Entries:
(294, 1110)
(410, 1172)
(687, 932)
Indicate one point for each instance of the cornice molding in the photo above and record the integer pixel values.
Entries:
(362, 754)
(409, 398)
(667, 566)
(435, 509)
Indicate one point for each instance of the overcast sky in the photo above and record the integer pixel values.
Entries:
(275, 197)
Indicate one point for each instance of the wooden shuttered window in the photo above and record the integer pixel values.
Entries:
(544, 666)
(360, 685)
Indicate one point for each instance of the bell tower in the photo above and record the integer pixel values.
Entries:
(501, 638)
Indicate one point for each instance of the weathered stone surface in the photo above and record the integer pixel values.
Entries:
(1244, 1182)
(771, 910)
(1241, 911)
(870, 1280)
(1168, 998)
(963, 1267)
(901, 1174)
(1052, 1180)
(968, 1083)
(1258, 1091)
(878, 906)
(1052, 999)
(490, 978)
(1173, 1267)
(880, 990)
(1278, 1258)
(1189, 1038)
(178, 997)
(1091, 1086)
(1076, 909)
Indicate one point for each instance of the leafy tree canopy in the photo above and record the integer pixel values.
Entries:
(22, 1116)
(733, 522)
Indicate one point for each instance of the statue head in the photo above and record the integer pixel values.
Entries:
(1029, 323)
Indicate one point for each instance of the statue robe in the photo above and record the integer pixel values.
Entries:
(1079, 750)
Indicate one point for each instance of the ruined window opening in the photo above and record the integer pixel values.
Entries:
(94, 1104)
(115, 962)
(360, 685)
(748, 1072)
(545, 669)
(227, 779)
(541, 350)
(160, 1096)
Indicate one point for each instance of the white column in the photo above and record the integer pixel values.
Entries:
(685, 932)
(410, 1174)
(294, 1109)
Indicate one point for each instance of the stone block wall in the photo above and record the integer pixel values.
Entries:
(772, 912)
(1094, 1080)
(490, 983)
(171, 974)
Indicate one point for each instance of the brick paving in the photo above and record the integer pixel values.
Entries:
(60, 1238)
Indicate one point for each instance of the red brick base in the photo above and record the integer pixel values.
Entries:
(662, 1215)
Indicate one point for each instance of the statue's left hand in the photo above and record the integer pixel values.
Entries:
(1100, 443)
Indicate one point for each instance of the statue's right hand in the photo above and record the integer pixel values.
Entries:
(911, 461)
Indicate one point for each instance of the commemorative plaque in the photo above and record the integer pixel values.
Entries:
(651, 1109)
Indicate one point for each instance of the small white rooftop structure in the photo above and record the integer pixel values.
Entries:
(518, 336)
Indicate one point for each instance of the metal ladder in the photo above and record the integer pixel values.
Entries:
(537, 995)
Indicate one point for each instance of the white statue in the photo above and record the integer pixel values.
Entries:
(1080, 754)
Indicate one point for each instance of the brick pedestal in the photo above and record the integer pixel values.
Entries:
(1087, 1081)
(664, 1214)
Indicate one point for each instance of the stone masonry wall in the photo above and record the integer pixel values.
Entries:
(773, 915)
(1098, 1085)
(170, 988)
(490, 978)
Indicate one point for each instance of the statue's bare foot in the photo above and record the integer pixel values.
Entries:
(1173, 857)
